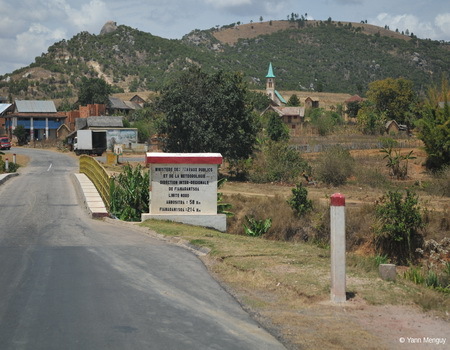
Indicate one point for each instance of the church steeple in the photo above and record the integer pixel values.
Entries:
(270, 72)
(273, 94)
(270, 83)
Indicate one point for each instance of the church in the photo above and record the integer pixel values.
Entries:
(273, 94)
(293, 117)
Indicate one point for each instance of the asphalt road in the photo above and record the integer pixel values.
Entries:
(70, 282)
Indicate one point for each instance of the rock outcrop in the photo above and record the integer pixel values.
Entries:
(109, 27)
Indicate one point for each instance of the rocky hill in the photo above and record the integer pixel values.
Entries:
(306, 55)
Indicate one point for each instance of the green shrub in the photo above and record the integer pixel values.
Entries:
(399, 222)
(255, 227)
(299, 201)
(334, 166)
(12, 167)
(277, 162)
(222, 208)
(396, 162)
(129, 193)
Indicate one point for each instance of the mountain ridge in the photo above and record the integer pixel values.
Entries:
(307, 55)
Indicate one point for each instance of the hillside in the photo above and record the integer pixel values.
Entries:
(310, 56)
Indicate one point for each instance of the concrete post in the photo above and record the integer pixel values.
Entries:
(337, 221)
(46, 128)
(6, 164)
(31, 129)
(14, 159)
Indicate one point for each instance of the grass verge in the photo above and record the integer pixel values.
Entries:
(286, 286)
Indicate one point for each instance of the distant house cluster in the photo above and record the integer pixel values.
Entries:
(294, 117)
(42, 121)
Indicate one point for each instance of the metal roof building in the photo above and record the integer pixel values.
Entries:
(33, 106)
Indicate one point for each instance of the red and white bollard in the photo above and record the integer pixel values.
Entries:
(14, 159)
(337, 221)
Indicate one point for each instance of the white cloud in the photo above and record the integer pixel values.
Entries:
(406, 22)
(90, 16)
(36, 38)
(442, 21)
(228, 3)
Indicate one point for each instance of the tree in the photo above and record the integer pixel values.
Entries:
(399, 222)
(393, 97)
(276, 129)
(294, 101)
(258, 100)
(353, 108)
(208, 113)
(370, 121)
(94, 90)
(434, 126)
(21, 134)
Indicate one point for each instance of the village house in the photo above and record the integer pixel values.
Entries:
(311, 103)
(138, 100)
(4, 109)
(393, 128)
(293, 117)
(40, 119)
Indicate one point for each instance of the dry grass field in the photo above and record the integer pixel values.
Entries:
(231, 36)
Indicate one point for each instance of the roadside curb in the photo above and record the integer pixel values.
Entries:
(89, 195)
(4, 177)
(199, 251)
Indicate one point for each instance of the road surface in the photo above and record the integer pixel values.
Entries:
(70, 282)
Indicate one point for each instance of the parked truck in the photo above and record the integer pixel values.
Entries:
(90, 142)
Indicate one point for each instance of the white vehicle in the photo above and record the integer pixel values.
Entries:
(90, 142)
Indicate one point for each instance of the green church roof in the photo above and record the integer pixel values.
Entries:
(270, 72)
(282, 100)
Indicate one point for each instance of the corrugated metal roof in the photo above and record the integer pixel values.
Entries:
(300, 111)
(30, 106)
(133, 105)
(4, 107)
(105, 122)
(116, 103)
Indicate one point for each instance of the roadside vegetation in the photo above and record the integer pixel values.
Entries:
(278, 193)
(7, 165)
(286, 286)
(275, 253)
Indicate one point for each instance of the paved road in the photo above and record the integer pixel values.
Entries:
(70, 282)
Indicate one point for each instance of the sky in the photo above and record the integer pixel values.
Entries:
(29, 27)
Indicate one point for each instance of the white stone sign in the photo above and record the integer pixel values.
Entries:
(183, 188)
(187, 189)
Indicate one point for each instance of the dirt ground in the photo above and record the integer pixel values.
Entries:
(357, 324)
(315, 323)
